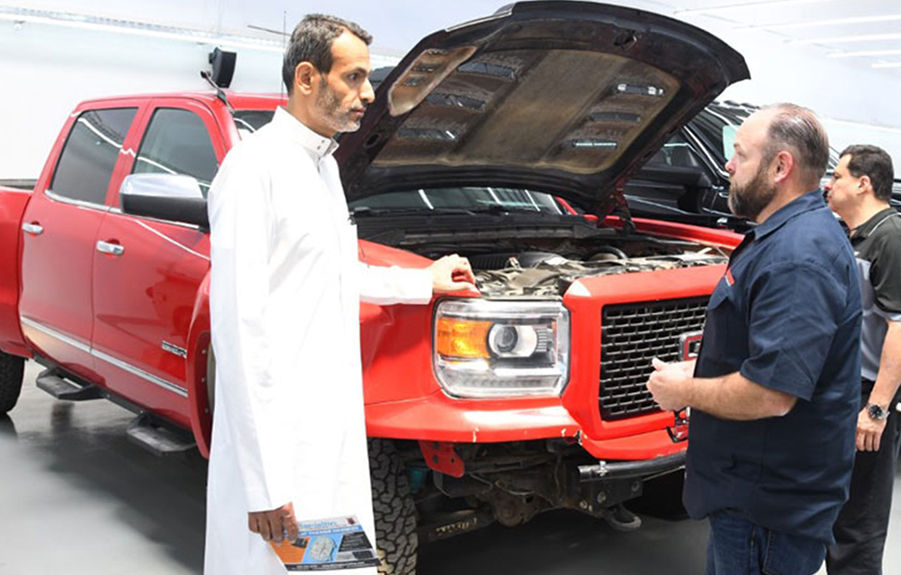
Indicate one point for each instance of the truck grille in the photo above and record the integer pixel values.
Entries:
(632, 334)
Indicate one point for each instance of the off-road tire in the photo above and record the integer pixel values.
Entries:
(12, 369)
(395, 512)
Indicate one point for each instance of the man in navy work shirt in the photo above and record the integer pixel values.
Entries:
(775, 390)
(860, 191)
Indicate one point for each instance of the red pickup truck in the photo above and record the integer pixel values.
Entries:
(507, 140)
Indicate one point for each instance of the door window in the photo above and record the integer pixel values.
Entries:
(86, 163)
(178, 142)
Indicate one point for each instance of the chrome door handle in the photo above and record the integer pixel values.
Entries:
(33, 229)
(112, 249)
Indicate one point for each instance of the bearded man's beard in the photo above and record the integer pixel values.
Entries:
(749, 200)
(328, 108)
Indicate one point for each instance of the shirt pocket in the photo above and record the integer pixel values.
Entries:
(724, 333)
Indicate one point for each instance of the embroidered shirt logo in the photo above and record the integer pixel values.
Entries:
(730, 281)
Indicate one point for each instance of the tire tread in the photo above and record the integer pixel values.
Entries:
(395, 511)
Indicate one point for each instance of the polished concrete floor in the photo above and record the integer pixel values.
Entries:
(76, 497)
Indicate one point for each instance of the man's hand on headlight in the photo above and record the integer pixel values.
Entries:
(452, 273)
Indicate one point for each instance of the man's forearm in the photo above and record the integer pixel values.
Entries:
(889, 377)
(735, 397)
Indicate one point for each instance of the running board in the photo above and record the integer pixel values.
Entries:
(157, 439)
(54, 383)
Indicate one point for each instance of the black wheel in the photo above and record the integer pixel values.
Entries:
(12, 369)
(395, 512)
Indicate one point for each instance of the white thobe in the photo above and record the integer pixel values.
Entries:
(285, 290)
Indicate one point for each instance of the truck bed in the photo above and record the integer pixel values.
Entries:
(21, 185)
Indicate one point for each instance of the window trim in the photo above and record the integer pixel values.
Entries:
(79, 203)
(201, 110)
(123, 150)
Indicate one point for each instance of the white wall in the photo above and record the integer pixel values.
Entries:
(842, 92)
(46, 71)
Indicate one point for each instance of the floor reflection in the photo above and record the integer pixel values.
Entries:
(61, 417)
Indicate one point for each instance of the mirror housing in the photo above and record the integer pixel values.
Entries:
(169, 197)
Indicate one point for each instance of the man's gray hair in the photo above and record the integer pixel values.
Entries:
(311, 42)
(799, 131)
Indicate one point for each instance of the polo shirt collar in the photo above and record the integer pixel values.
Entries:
(301, 134)
(809, 201)
(867, 227)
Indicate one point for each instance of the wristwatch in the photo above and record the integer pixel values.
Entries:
(877, 412)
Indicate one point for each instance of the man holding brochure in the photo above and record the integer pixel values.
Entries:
(289, 434)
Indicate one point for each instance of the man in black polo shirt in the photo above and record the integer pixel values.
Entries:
(859, 192)
(775, 390)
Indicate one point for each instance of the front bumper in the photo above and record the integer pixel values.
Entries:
(603, 470)
(605, 484)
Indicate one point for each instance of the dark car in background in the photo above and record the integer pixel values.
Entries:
(687, 178)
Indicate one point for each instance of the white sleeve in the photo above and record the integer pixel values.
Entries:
(241, 235)
(387, 286)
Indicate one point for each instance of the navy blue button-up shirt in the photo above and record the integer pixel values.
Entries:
(786, 316)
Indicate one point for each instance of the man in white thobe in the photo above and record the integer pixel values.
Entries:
(289, 435)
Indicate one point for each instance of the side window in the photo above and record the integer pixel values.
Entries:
(676, 152)
(86, 163)
(177, 142)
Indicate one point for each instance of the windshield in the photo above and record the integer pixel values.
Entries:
(716, 125)
(465, 198)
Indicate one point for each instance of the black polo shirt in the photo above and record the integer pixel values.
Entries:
(787, 316)
(877, 245)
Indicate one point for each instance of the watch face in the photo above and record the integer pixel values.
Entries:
(876, 412)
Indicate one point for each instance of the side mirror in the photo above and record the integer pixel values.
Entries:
(170, 197)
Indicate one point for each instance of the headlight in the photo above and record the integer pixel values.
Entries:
(484, 348)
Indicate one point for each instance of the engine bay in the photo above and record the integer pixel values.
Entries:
(526, 257)
(548, 274)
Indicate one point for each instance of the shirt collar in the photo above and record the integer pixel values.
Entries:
(807, 202)
(867, 227)
(301, 134)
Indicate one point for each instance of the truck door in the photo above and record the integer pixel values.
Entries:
(60, 228)
(146, 283)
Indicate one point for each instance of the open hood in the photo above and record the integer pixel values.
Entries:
(562, 97)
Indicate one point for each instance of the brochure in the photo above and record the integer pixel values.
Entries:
(323, 544)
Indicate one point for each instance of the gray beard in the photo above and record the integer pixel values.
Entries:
(328, 108)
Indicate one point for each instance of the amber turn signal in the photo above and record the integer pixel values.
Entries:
(462, 338)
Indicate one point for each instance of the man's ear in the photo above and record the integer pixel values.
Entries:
(305, 77)
(865, 183)
(783, 163)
